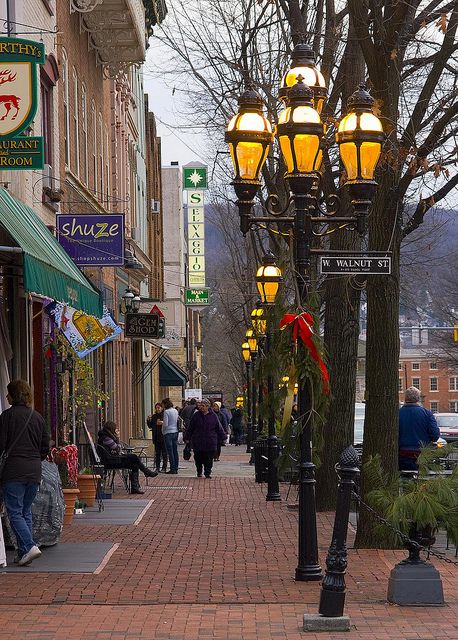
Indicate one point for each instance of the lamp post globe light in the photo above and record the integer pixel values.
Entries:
(300, 133)
(246, 354)
(268, 278)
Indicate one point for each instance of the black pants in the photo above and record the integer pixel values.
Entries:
(205, 459)
(125, 461)
(160, 453)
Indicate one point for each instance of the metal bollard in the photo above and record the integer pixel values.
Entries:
(332, 597)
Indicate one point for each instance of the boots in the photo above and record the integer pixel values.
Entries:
(149, 473)
(134, 482)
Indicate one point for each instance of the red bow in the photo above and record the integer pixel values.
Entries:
(302, 325)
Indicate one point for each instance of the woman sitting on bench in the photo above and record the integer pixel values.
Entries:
(112, 458)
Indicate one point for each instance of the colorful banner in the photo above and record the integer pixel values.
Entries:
(84, 333)
(93, 240)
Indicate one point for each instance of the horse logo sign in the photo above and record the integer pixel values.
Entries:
(18, 102)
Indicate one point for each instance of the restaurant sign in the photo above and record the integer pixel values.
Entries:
(92, 240)
(18, 103)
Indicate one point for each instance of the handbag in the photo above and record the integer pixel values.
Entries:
(187, 451)
(5, 453)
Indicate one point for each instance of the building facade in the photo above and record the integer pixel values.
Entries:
(101, 156)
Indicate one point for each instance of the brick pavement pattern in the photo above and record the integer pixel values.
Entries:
(211, 559)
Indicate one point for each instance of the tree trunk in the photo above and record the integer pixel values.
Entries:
(382, 354)
(341, 329)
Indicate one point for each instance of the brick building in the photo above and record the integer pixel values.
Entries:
(100, 157)
(429, 371)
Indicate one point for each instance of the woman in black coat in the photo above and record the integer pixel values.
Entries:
(204, 433)
(154, 423)
(110, 452)
(24, 435)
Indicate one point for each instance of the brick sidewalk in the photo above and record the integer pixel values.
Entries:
(210, 559)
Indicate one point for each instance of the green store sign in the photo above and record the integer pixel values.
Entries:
(197, 296)
(18, 103)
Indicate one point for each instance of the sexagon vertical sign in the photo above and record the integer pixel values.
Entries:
(194, 181)
(18, 103)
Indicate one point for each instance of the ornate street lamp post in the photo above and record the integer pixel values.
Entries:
(247, 359)
(253, 346)
(268, 278)
(300, 132)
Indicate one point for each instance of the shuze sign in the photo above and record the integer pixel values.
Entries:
(369, 265)
(93, 240)
(18, 102)
(143, 325)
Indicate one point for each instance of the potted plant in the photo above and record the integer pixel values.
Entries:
(66, 459)
(421, 505)
(87, 484)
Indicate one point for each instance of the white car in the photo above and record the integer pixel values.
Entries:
(448, 425)
(360, 409)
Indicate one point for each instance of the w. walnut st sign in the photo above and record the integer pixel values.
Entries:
(18, 103)
(362, 264)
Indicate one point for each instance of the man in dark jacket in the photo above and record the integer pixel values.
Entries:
(24, 435)
(417, 427)
(188, 411)
(205, 433)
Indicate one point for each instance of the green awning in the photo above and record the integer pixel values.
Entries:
(48, 269)
(170, 374)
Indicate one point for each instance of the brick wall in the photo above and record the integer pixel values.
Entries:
(428, 373)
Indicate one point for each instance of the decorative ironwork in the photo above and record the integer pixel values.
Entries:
(273, 205)
(84, 6)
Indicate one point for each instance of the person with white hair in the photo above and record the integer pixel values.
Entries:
(417, 427)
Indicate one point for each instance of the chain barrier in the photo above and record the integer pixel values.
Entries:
(405, 538)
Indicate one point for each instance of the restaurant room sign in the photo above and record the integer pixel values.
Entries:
(18, 103)
(92, 240)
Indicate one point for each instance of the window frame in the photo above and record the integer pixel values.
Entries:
(65, 100)
(416, 366)
(76, 124)
(433, 366)
(434, 406)
(431, 384)
(84, 130)
(453, 386)
(417, 385)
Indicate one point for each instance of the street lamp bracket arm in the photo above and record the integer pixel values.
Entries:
(333, 204)
(273, 205)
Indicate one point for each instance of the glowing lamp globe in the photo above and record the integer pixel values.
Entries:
(360, 137)
(299, 132)
(303, 64)
(268, 278)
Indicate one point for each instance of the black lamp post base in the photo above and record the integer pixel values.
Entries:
(273, 497)
(311, 573)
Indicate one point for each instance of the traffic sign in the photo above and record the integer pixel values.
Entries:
(156, 311)
(196, 296)
(362, 264)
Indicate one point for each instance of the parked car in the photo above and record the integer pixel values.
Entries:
(448, 425)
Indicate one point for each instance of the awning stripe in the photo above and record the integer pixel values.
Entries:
(48, 270)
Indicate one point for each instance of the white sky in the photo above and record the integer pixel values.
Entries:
(177, 144)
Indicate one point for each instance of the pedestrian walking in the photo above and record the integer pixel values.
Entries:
(110, 448)
(24, 436)
(417, 427)
(188, 411)
(204, 433)
(225, 426)
(170, 433)
(236, 426)
(154, 423)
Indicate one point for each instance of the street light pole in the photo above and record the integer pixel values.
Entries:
(249, 407)
(254, 407)
(300, 132)
(308, 567)
(273, 490)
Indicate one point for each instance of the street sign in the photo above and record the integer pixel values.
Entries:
(144, 325)
(363, 264)
(196, 296)
(194, 177)
(156, 311)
